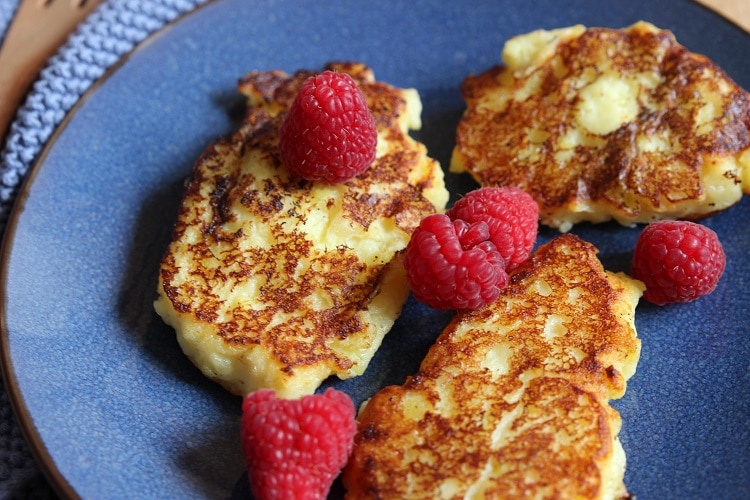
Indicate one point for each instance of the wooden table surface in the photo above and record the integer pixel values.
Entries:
(738, 11)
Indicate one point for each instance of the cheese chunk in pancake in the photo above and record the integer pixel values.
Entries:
(276, 282)
(512, 400)
(600, 124)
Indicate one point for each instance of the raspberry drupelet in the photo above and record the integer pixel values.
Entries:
(678, 261)
(512, 216)
(295, 448)
(453, 264)
(460, 260)
(329, 133)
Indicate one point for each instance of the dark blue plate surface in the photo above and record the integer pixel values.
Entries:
(108, 400)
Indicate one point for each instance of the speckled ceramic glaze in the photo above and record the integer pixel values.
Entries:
(111, 405)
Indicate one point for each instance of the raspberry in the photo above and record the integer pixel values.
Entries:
(678, 261)
(453, 264)
(512, 216)
(329, 133)
(295, 448)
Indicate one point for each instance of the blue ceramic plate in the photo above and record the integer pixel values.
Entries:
(112, 407)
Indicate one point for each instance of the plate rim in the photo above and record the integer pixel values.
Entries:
(23, 417)
(25, 421)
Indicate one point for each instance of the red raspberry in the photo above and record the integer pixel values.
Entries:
(329, 133)
(295, 448)
(511, 214)
(453, 264)
(678, 261)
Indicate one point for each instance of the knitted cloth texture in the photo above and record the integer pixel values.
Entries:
(7, 9)
(110, 32)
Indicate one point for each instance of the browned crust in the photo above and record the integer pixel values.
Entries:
(556, 394)
(619, 174)
(220, 184)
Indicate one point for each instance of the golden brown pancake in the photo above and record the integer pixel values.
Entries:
(512, 401)
(605, 123)
(271, 281)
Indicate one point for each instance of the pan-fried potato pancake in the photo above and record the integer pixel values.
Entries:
(606, 123)
(274, 282)
(512, 400)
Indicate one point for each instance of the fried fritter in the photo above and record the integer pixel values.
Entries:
(272, 281)
(599, 124)
(512, 400)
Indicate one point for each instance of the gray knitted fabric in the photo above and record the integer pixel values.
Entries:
(7, 9)
(109, 33)
(112, 31)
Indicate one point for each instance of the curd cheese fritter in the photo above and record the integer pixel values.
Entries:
(600, 124)
(271, 281)
(512, 400)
